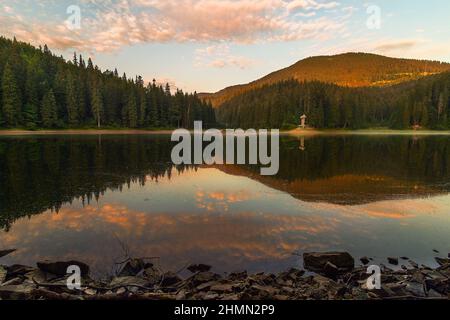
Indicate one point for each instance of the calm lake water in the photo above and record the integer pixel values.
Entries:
(86, 197)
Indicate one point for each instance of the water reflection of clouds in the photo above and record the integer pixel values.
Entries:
(248, 235)
(393, 209)
(231, 241)
(221, 200)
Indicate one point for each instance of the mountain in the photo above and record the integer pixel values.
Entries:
(421, 103)
(347, 70)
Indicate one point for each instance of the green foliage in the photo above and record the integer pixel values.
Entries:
(421, 103)
(11, 98)
(346, 70)
(49, 114)
(39, 89)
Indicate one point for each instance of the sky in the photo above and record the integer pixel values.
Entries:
(206, 45)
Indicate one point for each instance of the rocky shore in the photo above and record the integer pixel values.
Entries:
(329, 276)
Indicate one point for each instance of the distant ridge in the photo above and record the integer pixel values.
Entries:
(349, 69)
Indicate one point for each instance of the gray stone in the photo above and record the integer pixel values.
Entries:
(199, 268)
(4, 253)
(12, 282)
(222, 288)
(128, 282)
(331, 270)
(59, 268)
(3, 273)
(153, 275)
(204, 277)
(211, 296)
(132, 268)
(16, 292)
(18, 270)
(364, 260)
(416, 289)
(170, 279)
(206, 285)
(393, 261)
(317, 261)
(413, 264)
(442, 261)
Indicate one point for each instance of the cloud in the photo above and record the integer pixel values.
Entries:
(219, 56)
(396, 45)
(108, 25)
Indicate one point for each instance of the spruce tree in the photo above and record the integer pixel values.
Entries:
(97, 105)
(12, 100)
(49, 114)
(131, 108)
(71, 102)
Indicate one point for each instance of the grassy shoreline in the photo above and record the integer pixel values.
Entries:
(375, 131)
(295, 132)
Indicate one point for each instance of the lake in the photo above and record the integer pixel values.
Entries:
(96, 198)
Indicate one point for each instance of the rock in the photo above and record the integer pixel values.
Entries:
(204, 277)
(416, 289)
(294, 274)
(413, 264)
(18, 269)
(404, 258)
(37, 275)
(393, 261)
(442, 261)
(132, 268)
(4, 253)
(439, 285)
(280, 297)
(181, 295)
(170, 279)
(268, 291)
(222, 288)
(235, 276)
(211, 296)
(59, 268)
(90, 292)
(153, 275)
(364, 260)
(317, 261)
(434, 294)
(13, 282)
(3, 273)
(121, 290)
(330, 270)
(128, 282)
(16, 292)
(206, 285)
(199, 268)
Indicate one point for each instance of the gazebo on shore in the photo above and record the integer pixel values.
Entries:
(303, 121)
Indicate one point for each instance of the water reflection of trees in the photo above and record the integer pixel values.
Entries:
(43, 173)
(359, 169)
(39, 174)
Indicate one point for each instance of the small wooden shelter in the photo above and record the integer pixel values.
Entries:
(303, 121)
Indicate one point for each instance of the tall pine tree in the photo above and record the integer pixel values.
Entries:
(11, 100)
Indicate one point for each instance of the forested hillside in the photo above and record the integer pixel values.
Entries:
(346, 70)
(424, 103)
(41, 90)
